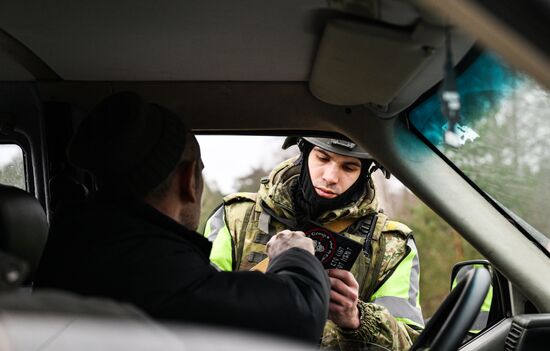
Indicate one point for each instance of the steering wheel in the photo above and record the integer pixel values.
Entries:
(451, 322)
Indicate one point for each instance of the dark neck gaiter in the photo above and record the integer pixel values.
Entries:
(308, 205)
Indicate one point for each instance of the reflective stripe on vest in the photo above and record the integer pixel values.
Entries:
(217, 233)
(399, 294)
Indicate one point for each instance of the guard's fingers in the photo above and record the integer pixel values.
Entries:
(344, 276)
(341, 288)
(340, 303)
(337, 298)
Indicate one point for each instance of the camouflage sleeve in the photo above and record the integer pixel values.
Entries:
(378, 327)
(392, 319)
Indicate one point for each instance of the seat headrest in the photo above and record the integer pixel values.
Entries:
(23, 225)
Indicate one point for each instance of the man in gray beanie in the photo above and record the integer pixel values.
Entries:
(134, 240)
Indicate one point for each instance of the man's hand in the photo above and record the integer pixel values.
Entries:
(287, 239)
(344, 295)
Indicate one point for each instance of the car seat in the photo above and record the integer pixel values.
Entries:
(23, 233)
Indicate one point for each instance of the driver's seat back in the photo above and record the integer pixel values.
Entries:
(23, 227)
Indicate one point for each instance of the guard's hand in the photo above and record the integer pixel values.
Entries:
(344, 296)
(287, 239)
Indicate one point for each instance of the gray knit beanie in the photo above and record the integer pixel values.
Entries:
(130, 146)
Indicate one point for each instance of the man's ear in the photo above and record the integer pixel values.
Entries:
(188, 181)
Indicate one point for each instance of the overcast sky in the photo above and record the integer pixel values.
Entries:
(227, 158)
(8, 153)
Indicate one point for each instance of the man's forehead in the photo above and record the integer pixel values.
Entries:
(343, 158)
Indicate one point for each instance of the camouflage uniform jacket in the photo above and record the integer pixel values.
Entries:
(388, 280)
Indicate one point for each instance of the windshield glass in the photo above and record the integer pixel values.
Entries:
(505, 135)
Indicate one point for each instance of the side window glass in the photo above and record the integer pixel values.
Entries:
(237, 163)
(12, 166)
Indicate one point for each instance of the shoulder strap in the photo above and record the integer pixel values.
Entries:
(287, 222)
(370, 228)
(229, 199)
(242, 237)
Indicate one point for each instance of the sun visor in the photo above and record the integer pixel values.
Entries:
(359, 63)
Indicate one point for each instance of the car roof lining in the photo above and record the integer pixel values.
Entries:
(241, 40)
(208, 40)
(237, 41)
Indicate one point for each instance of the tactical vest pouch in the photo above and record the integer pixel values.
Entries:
(262, 238)
(255, 257)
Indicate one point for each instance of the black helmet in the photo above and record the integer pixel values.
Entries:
(338, 146)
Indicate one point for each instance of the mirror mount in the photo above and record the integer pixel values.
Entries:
(497, 304)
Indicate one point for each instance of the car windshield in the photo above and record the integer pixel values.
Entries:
(504, 139)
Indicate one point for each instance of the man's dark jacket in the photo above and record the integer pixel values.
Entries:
(131, 252)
